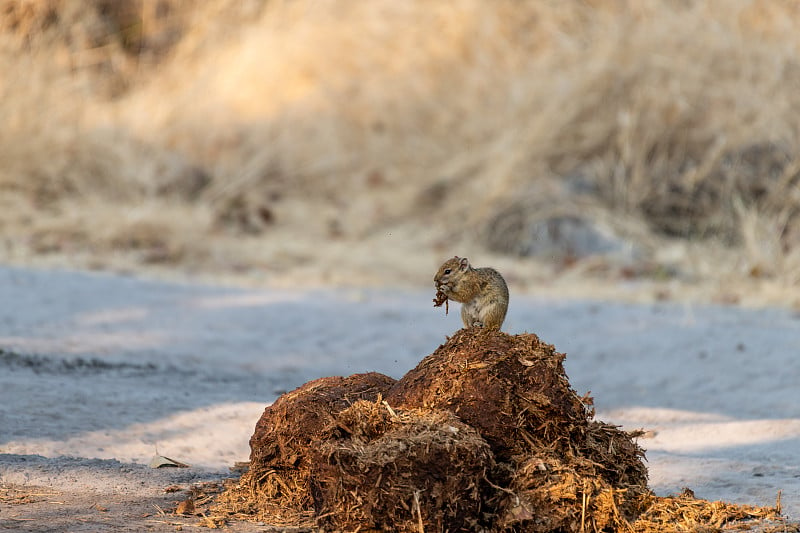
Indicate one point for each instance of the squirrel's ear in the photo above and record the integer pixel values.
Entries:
(464, 264)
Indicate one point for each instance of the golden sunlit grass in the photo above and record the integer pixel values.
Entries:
(280, 135)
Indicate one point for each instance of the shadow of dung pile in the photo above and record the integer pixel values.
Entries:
(484, 434)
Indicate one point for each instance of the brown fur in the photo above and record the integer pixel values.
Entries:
(482, 292)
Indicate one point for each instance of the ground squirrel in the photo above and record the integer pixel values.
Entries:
(482, 292)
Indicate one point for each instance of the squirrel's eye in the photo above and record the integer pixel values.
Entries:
(447, 271)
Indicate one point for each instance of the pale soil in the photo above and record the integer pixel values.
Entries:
(100, 372)
(93, 495)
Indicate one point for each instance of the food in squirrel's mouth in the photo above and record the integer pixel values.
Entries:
(441, 298)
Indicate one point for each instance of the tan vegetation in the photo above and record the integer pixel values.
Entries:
(360, 142)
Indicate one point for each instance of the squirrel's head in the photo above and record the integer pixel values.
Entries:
(451, 270)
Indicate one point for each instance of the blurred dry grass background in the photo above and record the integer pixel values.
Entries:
(315, 141)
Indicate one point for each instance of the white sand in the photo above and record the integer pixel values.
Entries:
(111, 369)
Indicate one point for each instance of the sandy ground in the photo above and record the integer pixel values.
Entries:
(101, 372)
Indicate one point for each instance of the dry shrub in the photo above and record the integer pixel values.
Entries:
(540, 88)
(427, 119)
(109, 39)
(76, 180)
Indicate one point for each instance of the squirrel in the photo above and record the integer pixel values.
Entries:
(482, 292)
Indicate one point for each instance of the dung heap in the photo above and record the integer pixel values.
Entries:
(484, 434)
